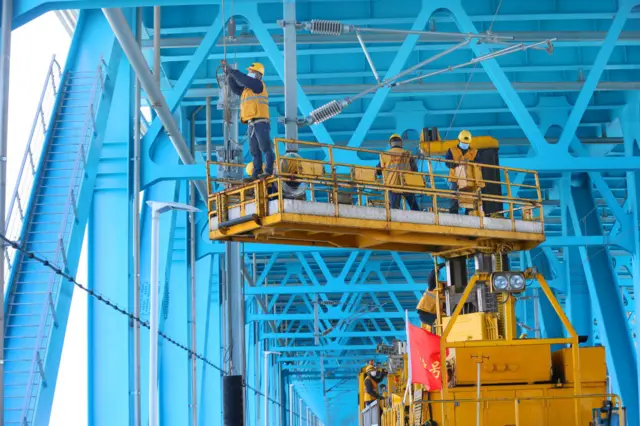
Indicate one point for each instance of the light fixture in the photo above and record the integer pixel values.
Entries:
(500, 283)
(508, 282)
(516, 282)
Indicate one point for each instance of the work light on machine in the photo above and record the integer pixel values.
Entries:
(507, 282)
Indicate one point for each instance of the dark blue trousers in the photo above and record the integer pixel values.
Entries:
(260, 143)
(396, 197)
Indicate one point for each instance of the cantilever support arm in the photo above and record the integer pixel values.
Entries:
(123, 33)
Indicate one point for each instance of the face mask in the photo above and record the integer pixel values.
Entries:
(373, 374)
(252, 74)
(463, 145)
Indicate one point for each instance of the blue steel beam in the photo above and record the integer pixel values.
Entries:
(594, 75)
(333, 288)
(577, 303)
(428, 8)
(325, 348)
(337, 51)
(89, 43)
(173, 364)
(348, 334)
(539, 163)
(511, 70)
(209, 341)
(330, 315)
(500, 80)
(559, 118)
(575, 164)
(178, 92)
(27, 10)
(631, 133)
(109, 332)
(603, 287)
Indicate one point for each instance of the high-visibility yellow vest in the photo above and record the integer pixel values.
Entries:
(253, 105)
(368, 397)
(469, 175)
(427, 303)
(395, 159)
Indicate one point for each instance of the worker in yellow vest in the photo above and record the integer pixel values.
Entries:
(371, 380)
(254, 112)
(462, 153)
(428, 306)
(397, 158)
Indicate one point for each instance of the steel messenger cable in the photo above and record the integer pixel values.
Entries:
(34, 256)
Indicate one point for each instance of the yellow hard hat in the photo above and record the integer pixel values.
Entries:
(256, 66)
(394, 136)
(465, 136)
(369, 368)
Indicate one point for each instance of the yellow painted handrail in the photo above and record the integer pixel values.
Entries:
(615, 399)
(338, 178)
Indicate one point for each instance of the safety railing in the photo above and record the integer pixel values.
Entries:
(95, 82)
(442, 408)
(42, 122)
(371, 415)
(338, 183)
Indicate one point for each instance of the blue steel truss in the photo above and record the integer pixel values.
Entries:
(574, 116)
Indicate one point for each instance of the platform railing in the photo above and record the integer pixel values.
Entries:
(47, 318)
(517, 402)
(33, 151)
(337, 182)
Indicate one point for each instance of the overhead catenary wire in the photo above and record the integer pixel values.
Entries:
(132, 318)
(335, 107)
(502, 52)
(336, 28)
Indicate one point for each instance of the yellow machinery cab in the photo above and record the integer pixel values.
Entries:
(334, 203)
(524, 381)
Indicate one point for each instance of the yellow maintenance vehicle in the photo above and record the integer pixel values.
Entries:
(493, 377)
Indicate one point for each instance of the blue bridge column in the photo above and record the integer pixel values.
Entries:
(109, 254)
(578, 302)
(209, 339)
(605, 296)
(631, 135)
(174, 363)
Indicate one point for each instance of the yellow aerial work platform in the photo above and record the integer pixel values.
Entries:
(332, 203)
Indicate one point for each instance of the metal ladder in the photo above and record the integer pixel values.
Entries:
(41, 214)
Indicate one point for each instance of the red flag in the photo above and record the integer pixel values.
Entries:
(424, 356)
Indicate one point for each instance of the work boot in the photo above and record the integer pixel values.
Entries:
(263, 176)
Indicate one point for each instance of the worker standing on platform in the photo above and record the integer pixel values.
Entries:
(427, 307)
(254, 111)
(457, 156)
(397, 158)
(371, 380)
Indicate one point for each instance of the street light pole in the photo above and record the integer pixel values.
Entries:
(157, 208)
